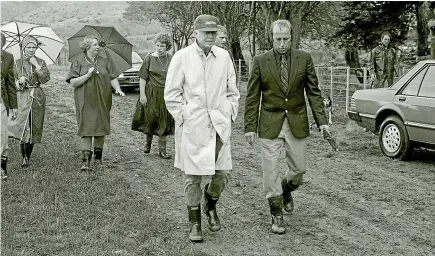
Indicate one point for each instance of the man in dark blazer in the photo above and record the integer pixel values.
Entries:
(276, 110)
(8, 102)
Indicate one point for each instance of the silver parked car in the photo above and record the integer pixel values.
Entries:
(130, 77)
(403, 115)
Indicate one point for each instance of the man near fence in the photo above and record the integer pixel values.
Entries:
(202, 96)
(275, 109)
(431, 41)
(8, 102)
(383, 61)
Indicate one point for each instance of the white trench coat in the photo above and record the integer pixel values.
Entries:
(202, 95)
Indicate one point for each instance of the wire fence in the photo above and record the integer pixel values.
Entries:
(337, 82)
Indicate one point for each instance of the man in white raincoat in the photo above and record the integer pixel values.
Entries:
(201, 94)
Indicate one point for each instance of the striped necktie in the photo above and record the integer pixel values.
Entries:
(284, 73)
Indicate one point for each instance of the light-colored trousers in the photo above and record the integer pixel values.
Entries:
(4, 130)
(86, 142)
(295, 156)
(192, 183)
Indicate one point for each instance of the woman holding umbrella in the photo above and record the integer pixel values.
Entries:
(31, 72)
(92, 78)
(156, 120)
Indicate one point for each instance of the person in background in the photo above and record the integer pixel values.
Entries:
(222, 40)
(8, 103)
(202, 96)
(383, 62)
(30, 73)
(276, 113)
(157, 120)
(222, 37)
(92, 78)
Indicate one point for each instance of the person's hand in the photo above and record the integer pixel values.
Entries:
(22, 80)
(143, 99)
(13, 114)
(119, 92)
(251, 137)
(324, 128)
(90, 71)
(35, 63)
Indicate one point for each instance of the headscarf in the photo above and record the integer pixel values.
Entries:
(28, 40)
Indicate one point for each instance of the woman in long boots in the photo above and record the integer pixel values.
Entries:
(92, 78)
(30, 73)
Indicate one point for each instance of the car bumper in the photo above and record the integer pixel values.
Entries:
(128, 81)
(363, 120)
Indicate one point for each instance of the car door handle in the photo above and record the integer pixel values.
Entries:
(402, 98)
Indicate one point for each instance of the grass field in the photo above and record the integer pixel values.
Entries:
(354, 202)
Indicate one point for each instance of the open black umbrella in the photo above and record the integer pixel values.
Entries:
(115, 47)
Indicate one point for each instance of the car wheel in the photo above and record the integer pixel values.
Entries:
(394, 139)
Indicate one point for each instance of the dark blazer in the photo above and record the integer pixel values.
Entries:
(264, 86)
(9, 93)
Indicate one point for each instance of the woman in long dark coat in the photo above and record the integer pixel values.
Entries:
(156, 120)
(92, 78)
(30, 73)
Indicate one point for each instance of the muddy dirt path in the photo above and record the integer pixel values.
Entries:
(354, 202)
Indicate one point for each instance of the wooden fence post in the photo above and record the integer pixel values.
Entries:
(365, 77)
(347, 87)
(331, 87)
(240, 74)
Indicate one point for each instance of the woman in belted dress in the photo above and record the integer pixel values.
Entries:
(30, 73)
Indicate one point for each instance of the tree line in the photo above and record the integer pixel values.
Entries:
(351, 25)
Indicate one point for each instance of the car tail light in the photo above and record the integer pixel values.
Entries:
(352, 104)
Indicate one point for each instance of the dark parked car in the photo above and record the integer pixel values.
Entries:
(130, 78)
(403, 115)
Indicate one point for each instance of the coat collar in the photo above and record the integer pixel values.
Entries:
(201, 51)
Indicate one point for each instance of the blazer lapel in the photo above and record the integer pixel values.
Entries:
(273, 67)
(293, 68)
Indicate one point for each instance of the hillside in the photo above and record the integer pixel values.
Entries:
(67, 17)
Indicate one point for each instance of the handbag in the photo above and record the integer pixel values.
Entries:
(138, 122)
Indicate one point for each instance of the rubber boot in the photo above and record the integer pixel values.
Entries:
(24, 155)
(195, 234)
(98, 152)
(275, 204)
(210, 211)
(4, 163)
(148, 141)
(287, 188)
(29, 150)
(162, 150)
(86, 160)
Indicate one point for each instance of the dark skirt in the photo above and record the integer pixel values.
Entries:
(153, 118)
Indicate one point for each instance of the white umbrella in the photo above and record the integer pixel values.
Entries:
(50, 44)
